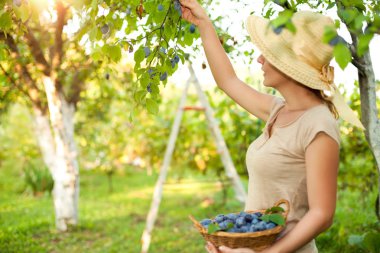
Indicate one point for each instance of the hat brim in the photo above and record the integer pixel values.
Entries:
(275, 50)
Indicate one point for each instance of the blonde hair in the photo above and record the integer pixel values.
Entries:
(327, 100)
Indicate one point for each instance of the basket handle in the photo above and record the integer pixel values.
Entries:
(196, 223)
(286, 202)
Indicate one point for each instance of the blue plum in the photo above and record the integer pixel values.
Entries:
(206, 222)
(270, 225)
(192, 28)
(177, 6)
(232, 216)
(219, 218)
(146, 51)
(176, 58)
(261, 226)
(240, 221)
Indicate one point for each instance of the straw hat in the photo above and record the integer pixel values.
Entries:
(302, 55)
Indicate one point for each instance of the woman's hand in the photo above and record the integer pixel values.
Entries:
(193, 12)
(223, 249)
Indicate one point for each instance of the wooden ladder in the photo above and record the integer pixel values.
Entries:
(229, 167)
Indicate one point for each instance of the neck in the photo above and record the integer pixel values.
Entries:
(298, 97)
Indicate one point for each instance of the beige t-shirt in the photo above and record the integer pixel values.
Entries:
(276, 164)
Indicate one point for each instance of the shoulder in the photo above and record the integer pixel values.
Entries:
(319, 119)
(320, 116)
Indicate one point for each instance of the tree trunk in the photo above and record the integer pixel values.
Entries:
(66, 171)
(369, 109)
(45, 139)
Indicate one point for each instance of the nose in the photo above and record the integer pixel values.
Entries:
(260, 59)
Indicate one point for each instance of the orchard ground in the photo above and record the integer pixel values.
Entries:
(113, 222)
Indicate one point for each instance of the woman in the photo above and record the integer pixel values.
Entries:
(297, 155)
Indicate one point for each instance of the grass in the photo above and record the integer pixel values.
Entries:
(109, 222)
(114, 222)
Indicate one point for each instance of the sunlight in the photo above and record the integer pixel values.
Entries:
(45, 9)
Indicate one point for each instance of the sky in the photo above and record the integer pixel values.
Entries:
(235, 20)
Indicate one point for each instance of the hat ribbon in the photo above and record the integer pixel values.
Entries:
(327, 74)
(345, 112)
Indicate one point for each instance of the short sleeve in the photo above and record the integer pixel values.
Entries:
(322, 121)
(276, 104)
(277, 101)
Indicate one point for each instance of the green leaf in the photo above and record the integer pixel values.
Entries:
(22, 12)
(96, 55)
(3, 54)
(290, 26)
(168, 31)
(359, 21)
(329, 34)
(155, 89)
(140, 95)
(212, 228)
(152, 106)
(5, 21)
(150, 7)
(188, 39)
(275, 218)
(139, 55)
(331, 5)
(144, 80)
(342, 55)
(114, 52)
(363, 44)
(348, 15)
(282, 18)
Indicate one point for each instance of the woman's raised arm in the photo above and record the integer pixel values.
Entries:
(255, 102)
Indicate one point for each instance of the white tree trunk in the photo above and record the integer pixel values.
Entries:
(45, 139)
(66, 172)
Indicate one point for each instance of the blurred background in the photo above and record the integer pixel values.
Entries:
(76, 112)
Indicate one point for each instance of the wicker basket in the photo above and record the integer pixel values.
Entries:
(254, 240)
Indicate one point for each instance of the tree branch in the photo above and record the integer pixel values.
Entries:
(77, 84)
(33, 90)
(37, 52)
(15, 83)
(58, 51)
(356, 60)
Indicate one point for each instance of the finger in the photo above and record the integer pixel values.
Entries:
(212, 248)
(224, 249)
(187, 15)
(188, 3)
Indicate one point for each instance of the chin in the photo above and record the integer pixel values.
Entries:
(266, 84)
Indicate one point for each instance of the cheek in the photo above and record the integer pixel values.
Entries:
(275, 75)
